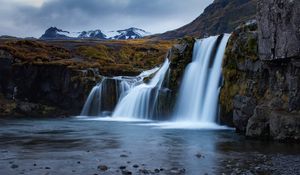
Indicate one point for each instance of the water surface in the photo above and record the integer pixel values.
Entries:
(72, 146)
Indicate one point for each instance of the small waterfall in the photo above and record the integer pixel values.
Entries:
(140, 101)
(105, 95)
(199, 92)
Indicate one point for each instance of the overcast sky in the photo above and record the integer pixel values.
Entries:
(26, 18)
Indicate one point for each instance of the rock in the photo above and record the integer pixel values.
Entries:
(156, 170)
(199, 156)
(243, 109)
(278, 27)
(259, 125)
(122, 167)
(285, 126)
(103, 167)
(177, 171)
(123, 155)
(14, 166)
(180, 56)
(126, 172)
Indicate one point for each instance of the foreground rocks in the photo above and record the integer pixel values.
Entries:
(261, 90)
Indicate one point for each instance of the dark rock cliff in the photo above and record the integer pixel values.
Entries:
(279, 33)
(43, 90)
(261, 91)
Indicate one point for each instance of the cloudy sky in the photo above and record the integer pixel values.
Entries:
(31, 17)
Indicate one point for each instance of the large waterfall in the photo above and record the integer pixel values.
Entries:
(139, 97)
(199, 92)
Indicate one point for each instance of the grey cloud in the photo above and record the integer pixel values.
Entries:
(76, 15)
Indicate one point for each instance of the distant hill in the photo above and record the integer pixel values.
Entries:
(131, 33)
(222, 16)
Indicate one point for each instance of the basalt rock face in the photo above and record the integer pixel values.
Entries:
(279, 29)
(43, 90)
(261, 90)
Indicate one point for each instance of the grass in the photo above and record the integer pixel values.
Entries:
(125, 55)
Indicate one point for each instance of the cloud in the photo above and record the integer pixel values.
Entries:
(32, 17)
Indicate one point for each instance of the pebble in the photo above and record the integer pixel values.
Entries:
(156, 171)
(14, 166)
(135, 166)
(126, 172)
(103, 167)
(199, 156)
(122, 167)
(123, 155)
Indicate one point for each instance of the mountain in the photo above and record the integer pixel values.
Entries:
(130, 33)
(55, 33)
(222, 16)
(97, 34)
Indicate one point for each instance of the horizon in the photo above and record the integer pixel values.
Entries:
(31, 18)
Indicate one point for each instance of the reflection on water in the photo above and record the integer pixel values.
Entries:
(79, 147)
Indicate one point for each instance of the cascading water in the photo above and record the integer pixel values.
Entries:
(198, 96)
(140, 101)
(199, 92)
(105, 95)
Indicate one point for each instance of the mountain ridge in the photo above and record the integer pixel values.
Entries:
(124, 34)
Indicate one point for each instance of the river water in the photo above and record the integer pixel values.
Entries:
(76, 146)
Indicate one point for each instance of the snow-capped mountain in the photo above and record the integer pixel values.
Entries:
(131, 33)
(92, 34)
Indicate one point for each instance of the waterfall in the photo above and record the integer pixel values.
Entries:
(126, 96)
(105, 95)
(140, 102)
(199, 91)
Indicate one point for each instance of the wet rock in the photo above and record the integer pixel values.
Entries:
(135, 166)
(156, 170)
(47, 168)
(199, 155)
(14, 166)
(126, 172)
(123, 156)
(122, 167)
(177, 171)
(103, 167)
